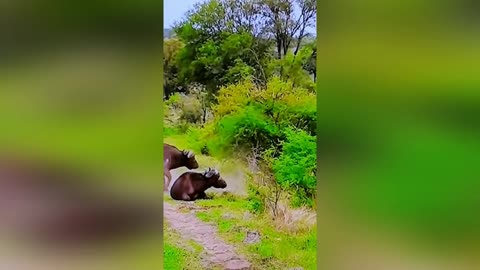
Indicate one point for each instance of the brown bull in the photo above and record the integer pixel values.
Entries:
(191, 186)
(173, 158)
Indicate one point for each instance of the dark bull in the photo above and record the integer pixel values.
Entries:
(191, 186)
(173, 158)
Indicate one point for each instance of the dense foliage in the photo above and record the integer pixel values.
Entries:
(296, 165)
(236, 85)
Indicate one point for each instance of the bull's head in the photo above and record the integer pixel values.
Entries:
(214, 176)
(189, 158)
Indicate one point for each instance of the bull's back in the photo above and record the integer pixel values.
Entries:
(170, 151)
(182, 185)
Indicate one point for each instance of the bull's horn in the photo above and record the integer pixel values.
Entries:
(188, 153)
(209, 173)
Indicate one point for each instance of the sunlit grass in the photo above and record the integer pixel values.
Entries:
(178, 255)
(277, 249)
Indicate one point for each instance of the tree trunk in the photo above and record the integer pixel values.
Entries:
(166, 91)
(279, 48)
(204, 118)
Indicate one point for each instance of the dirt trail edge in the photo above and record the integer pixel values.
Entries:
(217, 251)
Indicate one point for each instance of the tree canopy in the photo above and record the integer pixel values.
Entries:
(227, 41)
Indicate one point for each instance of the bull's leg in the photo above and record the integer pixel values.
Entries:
(201, 195)
(167, 178)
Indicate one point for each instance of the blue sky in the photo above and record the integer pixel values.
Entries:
(174, 10)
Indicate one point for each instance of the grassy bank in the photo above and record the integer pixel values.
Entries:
(277, 249)
(177, 255)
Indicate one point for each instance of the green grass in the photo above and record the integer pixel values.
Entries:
(276, 250)
(176, 256)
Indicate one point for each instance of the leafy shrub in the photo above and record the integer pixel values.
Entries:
(295, 168)
(248, 127)
(174, 101)
(183, 127)
(239, 71)
(168, 131)
(208, 142)
(193, 136)
(204, 150)
(191, 110)
(255, 201)
(291, 68)
(300, 109)
(288, 105)
(301, 197)
(181, 110)
(232, 98)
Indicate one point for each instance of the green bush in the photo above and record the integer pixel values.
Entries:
(191, 110)
(289, 105)
(255, 201)
(250, 128)
(233, 98)
(169, 131)
(193, 136)
(291, 68)
(295, 168)
(183, 127)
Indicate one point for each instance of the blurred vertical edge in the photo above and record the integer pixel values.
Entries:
(398, 134)
(84, 69)
(81, 134)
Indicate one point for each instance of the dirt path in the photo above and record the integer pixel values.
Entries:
(216, 251)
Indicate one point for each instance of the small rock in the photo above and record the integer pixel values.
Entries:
(247, 216)
(252, 237)
(228, 216)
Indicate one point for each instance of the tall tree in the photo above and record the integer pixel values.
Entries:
(223, 44)
(246, 15)
(227, 41)
(286, 26)
(171, 48)
(311, 64)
